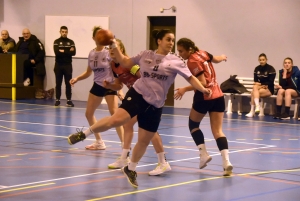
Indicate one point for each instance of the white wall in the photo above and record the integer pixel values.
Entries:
(240, 29)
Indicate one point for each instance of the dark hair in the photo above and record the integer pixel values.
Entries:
(63, 27)
(187, 44)
(288, 58)
(95, 29)
(159, 34)
(263, 55)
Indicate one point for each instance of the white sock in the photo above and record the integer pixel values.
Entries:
(202, 149)
(161, 157)
(224, 154)
(124, 153)
(132, 166)
(88, 132)
(256, 101)
(252, 108)
(99, 141)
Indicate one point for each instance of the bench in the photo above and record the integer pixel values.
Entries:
(248, 83)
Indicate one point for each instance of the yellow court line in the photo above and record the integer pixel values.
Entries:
(189, 182)
(27, 187)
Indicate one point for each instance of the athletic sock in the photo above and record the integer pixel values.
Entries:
(287, 110)
(125, 153)
(202, 149)
(88, 132)
(252, 108)
(278, 108)
(256, 101)
(161, 157)
(132, 166)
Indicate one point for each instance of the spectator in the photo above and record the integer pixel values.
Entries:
(31, 45)
(6, 42)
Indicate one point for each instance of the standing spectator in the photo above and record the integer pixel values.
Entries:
(6, 42)
(64, 49)
(31, 45)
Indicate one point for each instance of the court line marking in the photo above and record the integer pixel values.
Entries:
(190, 182)
(108, 171)
(17, 189)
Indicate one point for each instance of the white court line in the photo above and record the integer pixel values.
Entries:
(96, 173)
(3, 187)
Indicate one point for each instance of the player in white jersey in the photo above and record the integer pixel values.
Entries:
(105, 85)
(147, 96)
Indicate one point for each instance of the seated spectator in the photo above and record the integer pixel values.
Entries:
(6, 42)
(31, 45)
(289, 78)
(264, 76)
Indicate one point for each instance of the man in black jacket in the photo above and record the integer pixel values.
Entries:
(64, 49)
(31, 45)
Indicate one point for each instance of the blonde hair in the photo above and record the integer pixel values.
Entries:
(122, 47)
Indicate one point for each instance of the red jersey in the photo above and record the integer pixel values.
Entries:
(124, 74)
(200, 62)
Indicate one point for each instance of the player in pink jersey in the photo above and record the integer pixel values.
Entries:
(128, 77)
(146, 98)
(200, 64)
(105, 85)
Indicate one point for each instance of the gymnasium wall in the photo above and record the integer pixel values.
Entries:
(240, 29)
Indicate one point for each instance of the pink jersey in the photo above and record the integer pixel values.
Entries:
(158, 73)
(201, 62)
(99, 62)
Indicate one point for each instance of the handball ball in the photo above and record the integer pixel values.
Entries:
(104, 37)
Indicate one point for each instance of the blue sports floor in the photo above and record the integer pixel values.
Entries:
(37, 163)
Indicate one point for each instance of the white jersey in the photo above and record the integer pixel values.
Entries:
(158, 73)
(99, 62)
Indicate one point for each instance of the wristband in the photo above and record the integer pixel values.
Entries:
(134, 69)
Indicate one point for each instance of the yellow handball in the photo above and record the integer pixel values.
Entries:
(134, 69)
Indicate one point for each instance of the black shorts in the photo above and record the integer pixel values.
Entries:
(214, 105)
(148, 116)
(100, 91)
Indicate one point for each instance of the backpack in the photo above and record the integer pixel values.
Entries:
(232, 85)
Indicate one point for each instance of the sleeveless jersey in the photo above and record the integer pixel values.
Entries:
(124, 74)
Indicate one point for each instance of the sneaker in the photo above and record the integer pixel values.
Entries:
(96, 146)
(160, 168)
(70, 103)
(76, 137)
(257, 109)
(250, 114)
(26, 82)
(204, 160)
(227, 166)
(57, 103)
(131, 176)
(285, 116)
(119, 163)
(276, 116)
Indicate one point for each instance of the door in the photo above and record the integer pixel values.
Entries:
(162, 22)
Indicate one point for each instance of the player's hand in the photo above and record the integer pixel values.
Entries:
(113, 44)
(207, 92)
(72, 49)
(224, 57)
(32, 61)
(179, 93)
(73, 81)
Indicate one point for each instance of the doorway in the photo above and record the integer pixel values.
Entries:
(162, 22)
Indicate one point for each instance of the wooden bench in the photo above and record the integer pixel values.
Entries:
(248, 83)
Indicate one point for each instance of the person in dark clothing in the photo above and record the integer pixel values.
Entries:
(288, 88)
(264, 76)
(31, 45)
(6, 42)
(64, 49)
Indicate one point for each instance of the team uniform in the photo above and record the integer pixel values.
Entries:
(265, 75)
(99, 62)
(124, 74)
(200, 63)
(148, 94)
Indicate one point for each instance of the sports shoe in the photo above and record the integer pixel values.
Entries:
(285, 116)
(250, 114)
(276, 116)
(119, 163)
(26, 82)
(96, 146)
(257, 109)
(70, 103)
(160, 168)
(57, 103)
(227, 166)
(204, 160)
(131, 176)
(76, 137)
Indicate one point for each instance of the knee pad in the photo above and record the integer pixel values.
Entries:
(193, 125)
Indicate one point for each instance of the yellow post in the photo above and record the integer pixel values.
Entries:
(14, 77)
